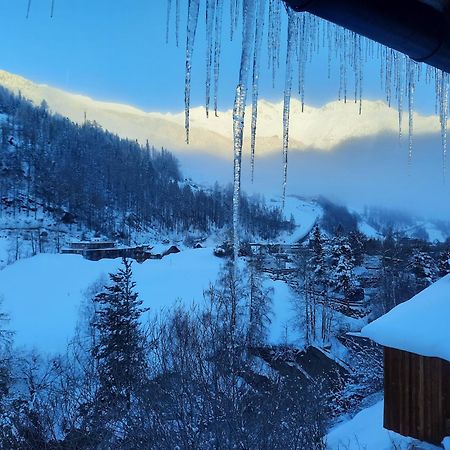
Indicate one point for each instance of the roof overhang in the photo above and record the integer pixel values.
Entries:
(418, 28)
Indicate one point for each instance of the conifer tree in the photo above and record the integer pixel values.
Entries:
(120, 349)
(444, 263)
(343, 264)
(317, 260)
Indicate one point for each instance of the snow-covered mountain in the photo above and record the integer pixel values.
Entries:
(322, 128)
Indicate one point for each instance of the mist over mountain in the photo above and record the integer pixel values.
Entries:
(354, 159)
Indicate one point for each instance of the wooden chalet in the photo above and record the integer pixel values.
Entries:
(416, 340)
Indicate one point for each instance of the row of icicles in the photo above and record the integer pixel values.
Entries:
(306, 35)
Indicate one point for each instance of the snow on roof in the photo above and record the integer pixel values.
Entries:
(420, 325)
(159, 248)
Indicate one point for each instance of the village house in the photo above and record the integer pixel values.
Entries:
(416, 340)
(97, 250)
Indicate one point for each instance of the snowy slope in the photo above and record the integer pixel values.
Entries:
(306, 214)
(322, 128)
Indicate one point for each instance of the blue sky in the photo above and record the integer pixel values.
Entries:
(116, 50)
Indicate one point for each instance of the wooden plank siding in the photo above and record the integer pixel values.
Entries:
(416, 395)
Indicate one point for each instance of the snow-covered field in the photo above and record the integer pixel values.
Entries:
(43, 294)
(365, 432)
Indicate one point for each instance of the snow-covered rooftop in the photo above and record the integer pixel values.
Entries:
(420, 325)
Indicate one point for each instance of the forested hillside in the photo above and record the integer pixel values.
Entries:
(84, 174)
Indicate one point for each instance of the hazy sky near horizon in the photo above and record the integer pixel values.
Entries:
(116, 50)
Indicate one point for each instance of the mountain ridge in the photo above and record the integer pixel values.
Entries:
(323, 128)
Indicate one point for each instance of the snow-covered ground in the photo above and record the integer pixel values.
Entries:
(368, 230)
(306, 214)
(365, 432)
(43, 294)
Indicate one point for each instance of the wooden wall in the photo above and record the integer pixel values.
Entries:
(416, 395)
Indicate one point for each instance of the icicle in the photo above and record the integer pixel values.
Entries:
(217, 51)
(169, 7)
(232, 8)
(361, 74)
(388, 83)
(411, 88)
(28, 9)
(273, 36)
(291, 46)
(52, 9)
(234, 16)
(210, 12)
(177, 22)
(238, 129)
(330, 48)
(400, 70)
(248, 24)
(442, 95)
(255, 84)
(358, 69)
(190, 39)
(302, 57)
(342, 45)
(237, 9)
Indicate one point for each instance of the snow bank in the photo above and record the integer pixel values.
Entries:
(420, 325)
(365, 431)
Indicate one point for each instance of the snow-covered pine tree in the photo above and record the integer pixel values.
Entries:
(342, 265)
(357, 242)
(120, 349)
(444, 263)
(317, 261)
(424, 268)
(320, 272)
